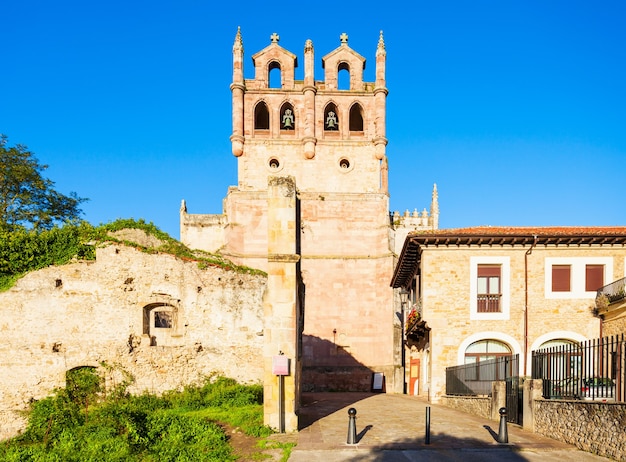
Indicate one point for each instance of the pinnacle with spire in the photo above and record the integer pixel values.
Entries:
(238, 45)
(381, 44)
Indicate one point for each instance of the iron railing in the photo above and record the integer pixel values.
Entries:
(475, 379)
(488, 303)
(594, 370)
(614, 291)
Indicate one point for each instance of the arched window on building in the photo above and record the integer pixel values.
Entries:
(343, 76)
(261, 116)
(356, 118)
(287, 117)
(331, 117)
(563, 359)
(274, 77)
(485, 350)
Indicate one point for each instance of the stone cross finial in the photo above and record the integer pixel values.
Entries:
(274, 37)
(344, 38)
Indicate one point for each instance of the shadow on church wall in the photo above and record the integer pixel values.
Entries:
(331, 380)
(327, 366)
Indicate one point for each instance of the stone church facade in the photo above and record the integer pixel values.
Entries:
(311, 208)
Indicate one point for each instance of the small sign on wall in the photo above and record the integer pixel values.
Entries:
(280, 365)
(378, 381)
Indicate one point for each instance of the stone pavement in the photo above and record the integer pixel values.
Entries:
(391, 428)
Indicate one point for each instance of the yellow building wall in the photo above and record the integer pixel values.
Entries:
(535, 316)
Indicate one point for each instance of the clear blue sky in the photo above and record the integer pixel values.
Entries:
(516, 109)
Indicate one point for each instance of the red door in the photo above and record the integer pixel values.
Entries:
(414, 377)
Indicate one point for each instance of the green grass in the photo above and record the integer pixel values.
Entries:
(77, 424)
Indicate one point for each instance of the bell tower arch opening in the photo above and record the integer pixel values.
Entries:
(331, 117)
(274, 75)
(356, 118)
(261, 116)
(343, 76)
(287, 117)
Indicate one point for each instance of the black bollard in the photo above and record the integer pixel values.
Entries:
(427, 437)
(352, 426)
(503, 434)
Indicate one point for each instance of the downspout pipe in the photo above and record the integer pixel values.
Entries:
(528, 252)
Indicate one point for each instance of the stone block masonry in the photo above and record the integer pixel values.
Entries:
(591, 426)
(162, 319)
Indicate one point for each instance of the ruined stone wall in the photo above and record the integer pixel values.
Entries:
(89, 313)
(593, 427)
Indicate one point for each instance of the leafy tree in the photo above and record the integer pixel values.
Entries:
(26, 197)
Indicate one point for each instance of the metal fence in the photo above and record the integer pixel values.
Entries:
(475, 379)
(594, 370)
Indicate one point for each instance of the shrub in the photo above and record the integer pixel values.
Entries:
(182, 438)
(179, 426)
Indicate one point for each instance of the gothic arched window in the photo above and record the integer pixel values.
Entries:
(287, 117)
(356, 118)
(261, 117)
(331, 118)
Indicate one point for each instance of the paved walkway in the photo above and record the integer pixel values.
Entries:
(391, 428)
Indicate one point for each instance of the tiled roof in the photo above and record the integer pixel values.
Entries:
(528, 230)
(496, 235)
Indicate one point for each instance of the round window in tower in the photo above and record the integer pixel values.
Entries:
(274, 164)
(345, 165)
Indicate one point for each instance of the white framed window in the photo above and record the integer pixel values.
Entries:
(576, 277)
(490, 288)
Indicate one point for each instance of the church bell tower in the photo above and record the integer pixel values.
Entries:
(311, 209)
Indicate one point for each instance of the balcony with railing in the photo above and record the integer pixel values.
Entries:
(488, 303)
(611, 297)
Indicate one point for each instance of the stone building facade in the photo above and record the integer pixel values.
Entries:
(484, 292)
(330, 250)
(161, 319)
(611, 307)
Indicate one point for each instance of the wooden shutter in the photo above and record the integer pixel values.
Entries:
(488, 270)
(594, 277)
(561, 278)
